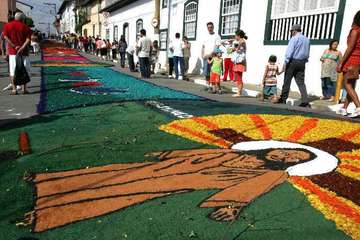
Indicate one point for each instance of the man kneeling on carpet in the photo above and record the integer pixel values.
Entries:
(241, 174)
(18, 37)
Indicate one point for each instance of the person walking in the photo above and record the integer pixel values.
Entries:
(297, 55)
(212, 41)
(350, 67)
(114, 50)
(143, 52)
(122, 50)
(187, 55)
(330, 59)
(18, 37)
(177, 47)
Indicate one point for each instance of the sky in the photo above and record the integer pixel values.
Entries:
(43, 14)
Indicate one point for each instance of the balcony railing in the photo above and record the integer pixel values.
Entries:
(317, 27)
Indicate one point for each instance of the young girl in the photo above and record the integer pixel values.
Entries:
(270, 80)
(239, 60)
(216, 70)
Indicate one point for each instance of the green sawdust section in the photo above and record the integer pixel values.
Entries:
(119, 133)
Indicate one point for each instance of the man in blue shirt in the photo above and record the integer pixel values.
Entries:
(297, 55)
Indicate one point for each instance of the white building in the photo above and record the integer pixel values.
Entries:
(67, 17)
(25, 8)
(266, 23)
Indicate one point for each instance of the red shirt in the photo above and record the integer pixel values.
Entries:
(17, 32)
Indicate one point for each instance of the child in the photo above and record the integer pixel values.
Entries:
(239, 59)
(270, 80)
(216, 70)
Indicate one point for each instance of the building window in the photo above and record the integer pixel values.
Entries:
(126, 31)
(116, 33)
(107, 34)
(321, 20)
(163, 39)
(230, 17)
(139, 26)
(165, 3)
(190, 19)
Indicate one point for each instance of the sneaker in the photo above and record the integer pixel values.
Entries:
(18, 88)
(355, 114)
(8, 87)
(342, 111)
(170, 77)
(181, 78)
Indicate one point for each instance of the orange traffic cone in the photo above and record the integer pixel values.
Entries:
(24, 143)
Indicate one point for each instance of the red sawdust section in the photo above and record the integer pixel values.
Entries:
(306, 127)
(219, 142)
(351, 168)
(339, 206)
(349, 136)
(262, 126)
(206, 123)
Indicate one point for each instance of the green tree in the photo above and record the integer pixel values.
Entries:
(29, 22)
(80, 17)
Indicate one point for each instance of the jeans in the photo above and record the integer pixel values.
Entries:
(144, 67)
(122, 59)
(177, 61)
(328, 87)
(131, 63)
(206, 69)
(295, 69)
(171, 66)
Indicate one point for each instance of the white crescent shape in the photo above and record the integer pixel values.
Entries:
(323, 163)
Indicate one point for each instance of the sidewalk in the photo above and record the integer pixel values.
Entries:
(19, 106)
(196, 87)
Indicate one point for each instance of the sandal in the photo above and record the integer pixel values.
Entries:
(13, 93)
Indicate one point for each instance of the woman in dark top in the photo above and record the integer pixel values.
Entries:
(122, 50)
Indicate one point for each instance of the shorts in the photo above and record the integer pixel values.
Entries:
(12, 64)
(214, 77)
(270, 90)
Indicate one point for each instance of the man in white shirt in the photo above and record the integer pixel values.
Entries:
(143, 50)
(177, 47)
(211, 42)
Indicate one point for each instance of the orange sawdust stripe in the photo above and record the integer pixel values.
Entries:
(206, 123)
(307, 126)
(349, 156)
(339, 206)
(350, 167)
(349, 136)
(219, 142)
(262, 126)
